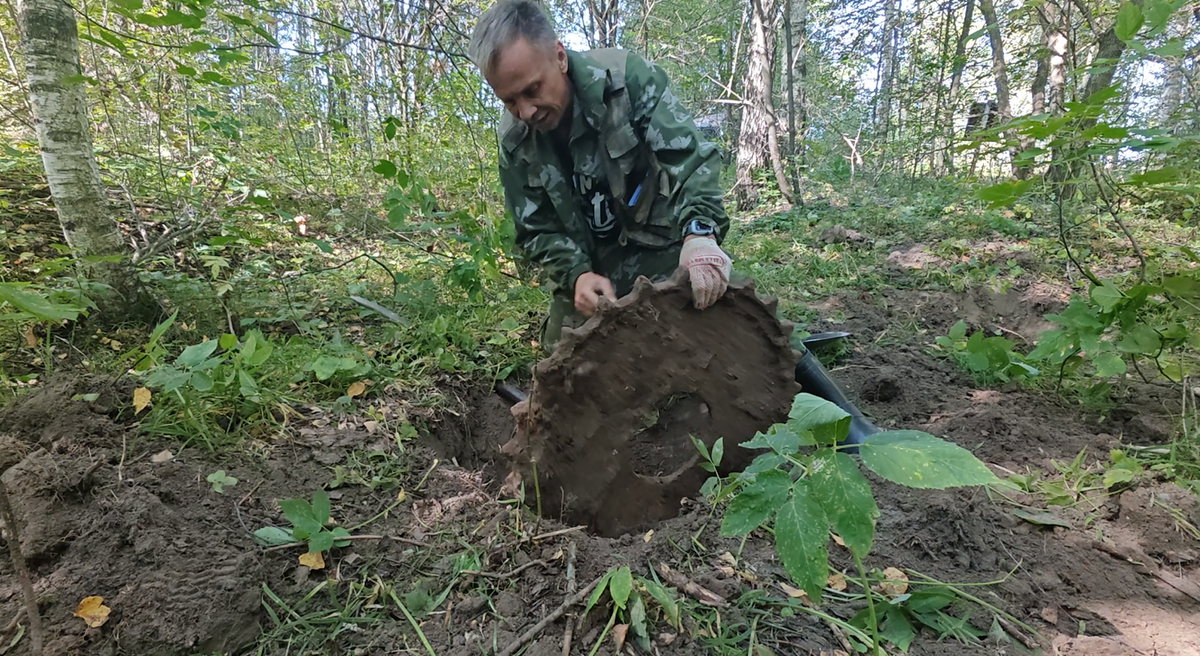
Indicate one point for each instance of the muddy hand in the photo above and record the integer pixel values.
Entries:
(589, 289)
(708, 267)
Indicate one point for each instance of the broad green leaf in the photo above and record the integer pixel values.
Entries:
(763, 463)
(637, 623)
(827, 422)
(666, 600)
(40, 307)
(779, 438)
(958, 330)
(1116, 475)
(271, 536)
(167, 378)
(1106, 295)
(1157, 12)
(385, 168)
(1109, 364)
(718, 450)
(1182, 285)
(201, 381)
(1170, 48)
(845, 495)
(801, 531)
(1156, 176)
(300, 514)
(196, 353)
(129, 5)
(185, 70)
(1129, 21)
(227, 341)
(322, 245)
(509, 324)
(1004, 193)
(620, 586)
(320, 506)
(339, 535)
(320, 541)
(1142, 340)
(918, 459)
(756, 502)
(927, 600)
(246, 385)
(599, 591)
(1041, 518)
(326, 366)
(896, 628)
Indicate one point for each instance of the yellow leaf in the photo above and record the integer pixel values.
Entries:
(794, 593)
(896, 582)
(356, 389)
(312, 560)
(31, 340)
(93, 611)
(141, 399)
(649, 534)
(401, 496)
(837, 582)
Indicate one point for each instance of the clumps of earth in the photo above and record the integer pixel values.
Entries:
(104, 515)
(611, 414)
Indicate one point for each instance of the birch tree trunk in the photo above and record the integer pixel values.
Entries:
(51, 45)
(888, 63)
(753, 147)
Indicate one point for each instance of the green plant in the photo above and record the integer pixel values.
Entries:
(219, 480)
(987, 357)
(626, 603)
(309, 522)
(809, 494)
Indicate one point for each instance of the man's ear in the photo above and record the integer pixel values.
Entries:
(560, 53)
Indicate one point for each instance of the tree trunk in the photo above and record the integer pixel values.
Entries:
(1056, 43)
(938, 156)
(799, 21)
(1000, 73)
(1038, 88)
(757, 116)
(51, 45)
(888, 56)
(960, 63)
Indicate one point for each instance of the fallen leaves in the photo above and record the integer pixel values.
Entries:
(356, 389)
(93, 611)
(895, 582)
(837, 582)
(141, 399)
(162, 456)
(312, 560)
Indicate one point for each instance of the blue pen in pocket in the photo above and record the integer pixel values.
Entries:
(636, 192)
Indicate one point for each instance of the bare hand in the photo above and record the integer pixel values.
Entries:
(589, 287)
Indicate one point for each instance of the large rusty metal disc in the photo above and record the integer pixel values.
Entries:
(611, 410)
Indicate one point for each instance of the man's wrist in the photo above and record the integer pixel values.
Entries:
(699, 228)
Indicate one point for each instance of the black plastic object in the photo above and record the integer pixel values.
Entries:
(815, 380)
(818, 339)
(509, 392)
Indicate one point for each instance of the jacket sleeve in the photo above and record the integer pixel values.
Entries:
(539, 231)
(692, 163)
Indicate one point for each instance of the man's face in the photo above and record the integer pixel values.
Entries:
(532, 83)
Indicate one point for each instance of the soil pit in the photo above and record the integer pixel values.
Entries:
(608, 425)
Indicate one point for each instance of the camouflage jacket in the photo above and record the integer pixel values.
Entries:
(632, 139)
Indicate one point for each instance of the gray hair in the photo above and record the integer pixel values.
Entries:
(505, 22)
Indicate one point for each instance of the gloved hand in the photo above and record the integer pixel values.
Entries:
(708, 268)
(589, 289)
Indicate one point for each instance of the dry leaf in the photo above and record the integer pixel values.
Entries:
(896, 582)
(312, 560)
(1050, 615)
(728, 559)
(141, 399)
(31, 340)
(162, 456)
(649, 534)
(371, 426)
(837, 581)
(93, 611)
(794, 593)
(356, 389)
(618, 634)
(838, 540)
(401, 496)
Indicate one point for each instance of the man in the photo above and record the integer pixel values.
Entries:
(606, 176)
(604, 172)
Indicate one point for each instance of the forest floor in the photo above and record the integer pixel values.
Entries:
(444, 563)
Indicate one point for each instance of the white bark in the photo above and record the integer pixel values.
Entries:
(753, 145)
(51, 46)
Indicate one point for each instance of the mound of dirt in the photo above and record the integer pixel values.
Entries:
(611, 410)
(159, 550)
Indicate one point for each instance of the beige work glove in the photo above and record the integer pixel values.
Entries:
(708, 268)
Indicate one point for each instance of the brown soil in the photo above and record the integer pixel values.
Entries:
(611, 410)
(176, 563)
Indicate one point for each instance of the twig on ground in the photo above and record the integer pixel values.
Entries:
(554, 534)
(394, 538)
(16, 620)
(252, 491)
(690, 588)
(1143, 565)
(505, 575)
(566, 650)
(22, 574)
(1013, 631)
(533, 632)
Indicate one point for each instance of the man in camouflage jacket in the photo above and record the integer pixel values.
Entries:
(604, 172)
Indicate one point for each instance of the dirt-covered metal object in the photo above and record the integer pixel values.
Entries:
(610, 412)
